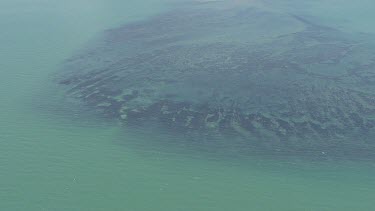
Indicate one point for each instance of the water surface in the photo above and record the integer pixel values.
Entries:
(55, 156)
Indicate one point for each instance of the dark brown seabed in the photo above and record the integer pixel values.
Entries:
(275, 81)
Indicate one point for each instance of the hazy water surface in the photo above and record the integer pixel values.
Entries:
(54, 156)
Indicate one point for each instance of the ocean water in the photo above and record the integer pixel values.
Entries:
(56, 155)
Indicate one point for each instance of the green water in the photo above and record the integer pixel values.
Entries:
(55, 157)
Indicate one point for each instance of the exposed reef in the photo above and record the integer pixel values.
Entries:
(276, 79)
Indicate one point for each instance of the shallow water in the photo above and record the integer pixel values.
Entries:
(55, 155)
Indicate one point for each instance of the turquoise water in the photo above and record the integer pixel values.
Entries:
(53, 156)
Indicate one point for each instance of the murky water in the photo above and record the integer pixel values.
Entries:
(57, 155)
